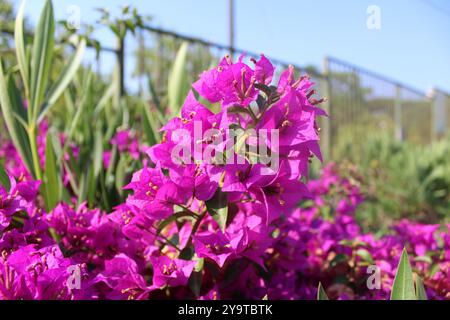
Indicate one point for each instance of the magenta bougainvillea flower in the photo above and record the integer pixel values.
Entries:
(154, 193)
(21, 197)
(120, 279)
(31, 273)
(126, 143)
(171, 272)
(231, 83)
(218, 246)
(264, 70)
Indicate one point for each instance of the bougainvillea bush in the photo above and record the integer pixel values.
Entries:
(118, 258)
(219, 208)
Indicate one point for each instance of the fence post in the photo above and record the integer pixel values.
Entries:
(231, 26)
(121, 64)
(141, 61)
(439, 114)
(447, 115)
(326, 134)
(398, 113)
(433, 96)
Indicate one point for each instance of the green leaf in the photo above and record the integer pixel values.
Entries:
(241, 110)
(178, 86)
(425, 259)
(4, 178)
(338, 259)
(64, 79)
(84, 184)
(199, 265)
(403, 287)
(365, 255)
(218, 208)
(109, 178)
(149, 125)
(107, 95)
(420, 289)
(42, 57)
(57, 148)
(195, 280)
(84, 103)
(195, 283)
(91, 186)
(16, 103)
(20, 48)
(187, 253)
(153, 93)
(52, 175)
(73, 170)
(352, 243)
(171, 219)
(120, 175)
(18, 134)
(98, 153)
(321, 294)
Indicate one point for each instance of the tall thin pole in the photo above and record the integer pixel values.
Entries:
(121, 64)
(141, 62)
(231, 26)
(327, 133)
(398, 113)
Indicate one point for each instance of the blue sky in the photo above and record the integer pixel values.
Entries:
(412, 46)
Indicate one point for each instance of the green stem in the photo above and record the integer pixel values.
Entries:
(169, 242)
(253, 115)
(192, 213)
(54, 235)
(34, 152)
(195, 227)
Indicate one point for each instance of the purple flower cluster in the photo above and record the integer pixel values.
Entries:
(316, 246)
(126, 143)
(214, 229)
(13, 163)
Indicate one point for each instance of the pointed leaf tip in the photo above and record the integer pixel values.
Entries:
(420, 288)
(403, 287)
(321, 294)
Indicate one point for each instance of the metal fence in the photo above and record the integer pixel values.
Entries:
(155, 50)
(360, 102)
(363, 103)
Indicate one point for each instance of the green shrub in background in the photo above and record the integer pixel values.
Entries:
(70, 100)
(399, 180)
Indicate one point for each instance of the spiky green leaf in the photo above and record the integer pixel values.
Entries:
(218, 208)
(420, 289)
(52, 175)
(403, 287)
(321, 294)
(4, 178)
(178, 86)
(22, 60)
(42, 57)
(64, 79)
(18, 134)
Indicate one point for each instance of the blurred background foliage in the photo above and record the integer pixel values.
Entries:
(398, 180)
